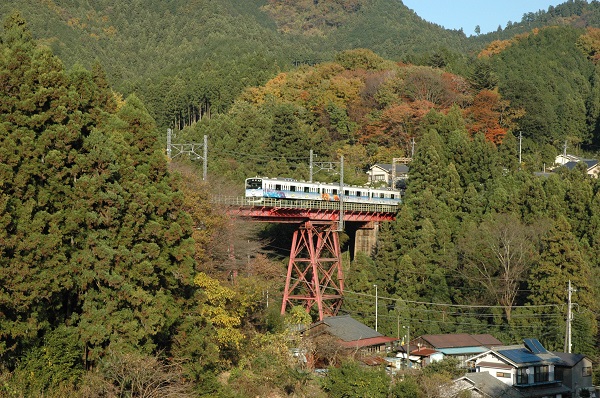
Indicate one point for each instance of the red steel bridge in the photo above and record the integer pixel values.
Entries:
(314, 274)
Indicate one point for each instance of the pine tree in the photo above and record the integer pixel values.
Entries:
(561, 261)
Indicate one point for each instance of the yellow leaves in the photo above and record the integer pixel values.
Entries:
(110, 31)
(216, 308)
(213, 291)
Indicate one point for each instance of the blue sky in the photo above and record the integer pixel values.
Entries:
(466, 14)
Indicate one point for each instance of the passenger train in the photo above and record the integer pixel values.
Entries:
(287, 188)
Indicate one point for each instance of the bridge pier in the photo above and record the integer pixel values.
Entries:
(314, 275)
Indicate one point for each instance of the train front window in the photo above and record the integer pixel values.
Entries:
(254, 183)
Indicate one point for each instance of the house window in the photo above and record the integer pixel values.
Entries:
(503, 374)
(586, 371)
(541, 374)
(522, 376)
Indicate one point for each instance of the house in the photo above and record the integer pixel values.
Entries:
(350, 335)
(382, 173)
(481, 385)
(461, 346)
(563, 159)
(592, 166)
(571, 161)
(529, 370)
(575, 371)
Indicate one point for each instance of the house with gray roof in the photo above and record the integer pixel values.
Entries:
(382, 173)
(351, 333)
(533, 371)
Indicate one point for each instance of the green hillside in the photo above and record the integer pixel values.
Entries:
(120, 277)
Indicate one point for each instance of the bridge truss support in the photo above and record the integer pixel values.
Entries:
(314, 274)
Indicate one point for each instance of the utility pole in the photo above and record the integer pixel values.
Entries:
(565, 149)
(412, 151)
(376, 302)
(407, 350)
(205, 159)
(568, 345)
(520, 142)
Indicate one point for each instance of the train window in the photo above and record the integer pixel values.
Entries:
(292, 188)
(335, 191)
(278, 187)
(392, 196)
(347, 193)
(358, 193)
(254, 184)
(381, 195)
(306, 189)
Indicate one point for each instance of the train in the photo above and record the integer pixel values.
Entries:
(289, 188)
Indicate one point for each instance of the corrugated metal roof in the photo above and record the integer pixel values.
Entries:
(495, 365)
(424, 352)
(460, 340)
(462, 350)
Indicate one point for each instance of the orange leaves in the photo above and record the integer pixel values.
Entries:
(398, 123)
(589, 44)
(485, 115)
(495, 47)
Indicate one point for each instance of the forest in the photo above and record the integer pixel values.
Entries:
(119, 277)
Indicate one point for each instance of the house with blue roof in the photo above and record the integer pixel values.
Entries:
(531, 371)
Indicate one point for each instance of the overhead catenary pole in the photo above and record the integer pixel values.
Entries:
(169, 132)
(310, 167)
(341, 194)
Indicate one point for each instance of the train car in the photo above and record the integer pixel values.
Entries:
(287, 188)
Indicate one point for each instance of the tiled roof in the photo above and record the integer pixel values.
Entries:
(349, 329)
(490, 386)
(368, 342)
(400, 167)
(569, 359)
